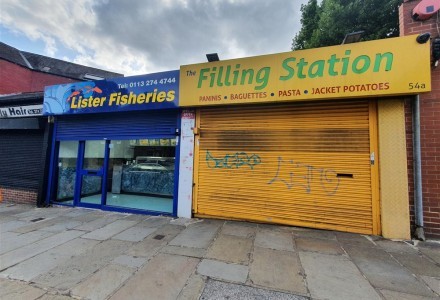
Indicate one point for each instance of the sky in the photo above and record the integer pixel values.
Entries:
(136, 37)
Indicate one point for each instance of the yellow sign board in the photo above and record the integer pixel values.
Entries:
(392, 66)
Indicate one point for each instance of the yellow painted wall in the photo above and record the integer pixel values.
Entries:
(393, 169)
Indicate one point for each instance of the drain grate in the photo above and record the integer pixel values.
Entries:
(37, 219)
(159, 237)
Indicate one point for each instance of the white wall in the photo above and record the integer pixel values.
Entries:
(186, 162)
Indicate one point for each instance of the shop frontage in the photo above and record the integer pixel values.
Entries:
(306, 138)
(24, 137)
(313, 159)
(116, 143)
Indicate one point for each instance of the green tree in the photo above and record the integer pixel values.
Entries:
(328, 23)
(309, 22)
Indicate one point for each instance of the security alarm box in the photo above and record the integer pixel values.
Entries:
(425, 9)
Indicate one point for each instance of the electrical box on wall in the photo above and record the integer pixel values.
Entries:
(425, 9)
(435, 51)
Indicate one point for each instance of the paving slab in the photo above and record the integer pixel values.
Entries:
(12, 225)
(273, 239)
(31, 209)
(232, 249)
(10, 211)
(30, 213)
(314, 234)
(5, 236)
(97, 287)
(55, 297)
(5, 219)
(76, 269)
(184, 251)
(40, 225)
(18, 255)
(100, 222)
(433, 283)
(275, 269)
(130, 261)
(79, 211)
(155, 221)
(418, 264)
(21, 240)
(137, 218)
(325, 246)
(146, 249)
(385, 272)
(61, 226)
(241, 229)
(13, 209)
(47, 213)
(193, 288)
(198, 235)
(276, 227)
(16, 290)
(396, 246)
(431, 250)
(42, 263)
(224, 271)
(86, 216)
(223, 290)
(153, 243)
(393, 295)
(185, 221)
(335, 277)
(109, 230)
(134, 234)
(353, 239)
(163, 277)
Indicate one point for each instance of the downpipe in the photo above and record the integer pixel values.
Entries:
(417, 165)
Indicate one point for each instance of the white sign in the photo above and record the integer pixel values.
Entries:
(21, 111)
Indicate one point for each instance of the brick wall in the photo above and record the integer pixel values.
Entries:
(18, 196)
(16, 79)
(429, 129)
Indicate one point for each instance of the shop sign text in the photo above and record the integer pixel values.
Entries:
(21, 111)
(144, 92)
(379, 67)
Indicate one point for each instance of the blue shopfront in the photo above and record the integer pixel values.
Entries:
(116, 143)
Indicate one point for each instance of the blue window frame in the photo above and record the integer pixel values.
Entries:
(139, 134)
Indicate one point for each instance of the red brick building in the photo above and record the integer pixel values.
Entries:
(429, 128)
(25, 140)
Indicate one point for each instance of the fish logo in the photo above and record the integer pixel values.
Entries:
(84, 90)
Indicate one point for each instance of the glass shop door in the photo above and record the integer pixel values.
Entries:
(92, 173)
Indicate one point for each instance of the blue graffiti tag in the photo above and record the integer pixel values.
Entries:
(232, 161)
(328, 178)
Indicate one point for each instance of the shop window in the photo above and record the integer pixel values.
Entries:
(66, 170)
(141, 174)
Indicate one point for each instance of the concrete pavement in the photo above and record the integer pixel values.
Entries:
(74, 253)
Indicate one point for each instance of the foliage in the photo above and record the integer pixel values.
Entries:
(327, 23)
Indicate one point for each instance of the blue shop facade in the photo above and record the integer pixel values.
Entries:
(116, 143)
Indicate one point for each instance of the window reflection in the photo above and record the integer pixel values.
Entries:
(66, 170)
(141, 174)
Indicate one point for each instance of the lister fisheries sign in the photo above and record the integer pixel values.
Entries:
(383, 67)
(143, 92)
